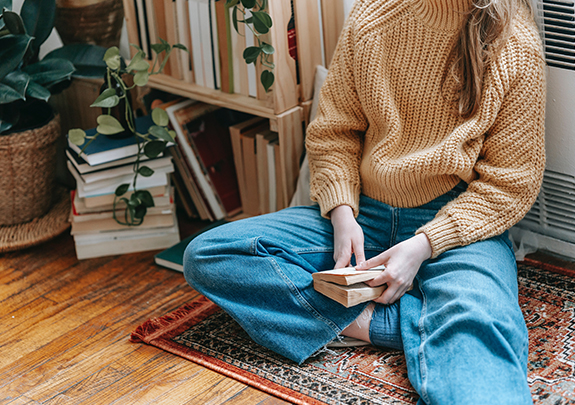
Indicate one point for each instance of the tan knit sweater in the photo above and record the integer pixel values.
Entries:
(385, 129)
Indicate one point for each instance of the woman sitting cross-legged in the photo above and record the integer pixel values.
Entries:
(427, 147)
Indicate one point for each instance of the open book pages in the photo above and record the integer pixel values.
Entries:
(348, 275)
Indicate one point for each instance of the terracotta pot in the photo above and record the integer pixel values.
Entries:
(97, 22)
(28, 172)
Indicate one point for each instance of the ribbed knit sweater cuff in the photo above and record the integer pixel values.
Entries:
(336, 195)
(442, 234)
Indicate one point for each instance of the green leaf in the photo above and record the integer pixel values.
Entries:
(5, 126)
(248, 3)
(134, 200)
(153, 149)
(14, 22)
(172, 134)
(267, 79)
(159, 48)
(137, 47)
(86, 58)
(160, 117)
(145, 197)
(251, 54)
(160, 132)
(141, 78)
(38, 17)
(112, 58)
(262, 21)
(140, 213)
(108, 125)
(122, 189)
(50, 71)
(232, 3)
(107, 99)
(12, 50)
(180, 46)
(77, 136)
(267, 49)
(145, 171)
(8, 94)
(17, 81)
(35, 90)
(235, 18)
(138, 62)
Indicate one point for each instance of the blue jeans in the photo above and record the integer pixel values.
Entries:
(463, 333)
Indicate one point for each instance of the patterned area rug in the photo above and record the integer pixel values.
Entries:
(204, 334)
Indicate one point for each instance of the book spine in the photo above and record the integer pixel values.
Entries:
(183, 19)
(197, 44)
(203, 180)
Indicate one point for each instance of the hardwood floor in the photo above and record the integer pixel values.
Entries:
(65, 324)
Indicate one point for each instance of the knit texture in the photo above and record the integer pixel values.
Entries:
(386, 128)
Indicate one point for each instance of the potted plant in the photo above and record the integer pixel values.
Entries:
(29, 127)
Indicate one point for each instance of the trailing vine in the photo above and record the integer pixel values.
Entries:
(150, 144)
(252, 13)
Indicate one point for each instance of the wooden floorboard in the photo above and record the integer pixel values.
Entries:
(65, 325)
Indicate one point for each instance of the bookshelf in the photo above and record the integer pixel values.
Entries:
(317, 24)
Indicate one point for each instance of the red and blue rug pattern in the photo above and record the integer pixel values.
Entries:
(202, 333)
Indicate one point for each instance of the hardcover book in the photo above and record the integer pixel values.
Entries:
(347, 286)
(104, 149)
(173, 258)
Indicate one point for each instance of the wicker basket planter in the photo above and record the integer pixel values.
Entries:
(97, 22)
(27, 173)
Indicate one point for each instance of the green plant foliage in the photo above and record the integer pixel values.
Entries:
(23, 76)
(86, 58)
(38, 17)
(150, 144)
(252, 13)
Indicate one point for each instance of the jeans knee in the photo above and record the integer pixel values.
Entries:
(196, 261)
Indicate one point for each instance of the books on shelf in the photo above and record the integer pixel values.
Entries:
(266, 171)
(242, 135)
(205, 27)
(204, 152)
(347, 286)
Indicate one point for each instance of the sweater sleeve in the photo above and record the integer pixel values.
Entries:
(334, 140)
(509, 169)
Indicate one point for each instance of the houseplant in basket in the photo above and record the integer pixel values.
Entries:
(29, 128)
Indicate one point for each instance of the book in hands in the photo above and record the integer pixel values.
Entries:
(347, 286)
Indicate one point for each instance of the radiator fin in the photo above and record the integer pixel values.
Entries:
(553, 213)
(557, 21)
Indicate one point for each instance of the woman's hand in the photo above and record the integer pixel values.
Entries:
(402, 263)
(347, 237)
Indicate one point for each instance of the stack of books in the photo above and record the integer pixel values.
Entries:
(103, 165)
(347, 286)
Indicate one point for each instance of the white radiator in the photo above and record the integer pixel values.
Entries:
(550, 225)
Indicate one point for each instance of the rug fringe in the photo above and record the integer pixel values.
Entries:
(144, 332)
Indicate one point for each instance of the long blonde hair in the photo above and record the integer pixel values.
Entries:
(486, 29)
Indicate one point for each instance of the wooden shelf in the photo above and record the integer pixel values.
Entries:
(238, 102)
